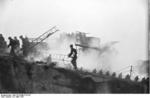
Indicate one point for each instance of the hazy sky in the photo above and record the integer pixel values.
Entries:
(111, 20)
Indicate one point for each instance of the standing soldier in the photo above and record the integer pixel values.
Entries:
(12, 45)
(73, 55)
(24, 46)
(3, 44)
(17, 44)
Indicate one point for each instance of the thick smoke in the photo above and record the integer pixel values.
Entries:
(38, 53)
(91, 53)
(97, 58)
(143, 67)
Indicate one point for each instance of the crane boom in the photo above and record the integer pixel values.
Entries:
(44, 36)
(48, 31)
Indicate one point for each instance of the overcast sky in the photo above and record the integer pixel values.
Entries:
(111, 20)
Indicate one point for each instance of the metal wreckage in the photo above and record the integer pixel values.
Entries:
(17, 75)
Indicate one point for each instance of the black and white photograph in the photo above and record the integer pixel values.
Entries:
(74, 46)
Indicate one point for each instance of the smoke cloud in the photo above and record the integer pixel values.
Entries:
(143, 67)
(91, 53)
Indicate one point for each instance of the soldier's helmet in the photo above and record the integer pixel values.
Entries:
(71, 46)
(9, 38)
(15, 37)
(21, 36)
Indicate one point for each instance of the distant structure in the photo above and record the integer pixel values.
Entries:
(82, 40)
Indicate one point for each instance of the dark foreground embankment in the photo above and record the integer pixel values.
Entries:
(19, 76)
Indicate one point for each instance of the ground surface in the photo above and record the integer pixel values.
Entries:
(20, 76)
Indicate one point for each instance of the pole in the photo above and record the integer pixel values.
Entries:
(131, 70)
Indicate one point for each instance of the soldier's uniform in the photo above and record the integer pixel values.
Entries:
(73, 55)
(25, 45)
(12, 45)
(3, 44)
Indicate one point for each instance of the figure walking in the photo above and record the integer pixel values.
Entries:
(12, 45)
(73, 55)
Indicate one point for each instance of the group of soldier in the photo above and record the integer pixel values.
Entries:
(16, 48)
(14, 45)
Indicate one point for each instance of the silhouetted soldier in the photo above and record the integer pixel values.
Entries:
(2, 40)
(17, 45)
(73, 55)
(17, 42)
(12, 45)
(3, 44)
(25, 45)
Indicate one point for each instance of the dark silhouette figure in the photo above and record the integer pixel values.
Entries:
(100, 72)
(3, 44)
(120, 76)
(17, 43)
(73, 55)
(114, 74)
(107, 73)
(12, 45)
(25, 45)
(127, 77)
(136, 79)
